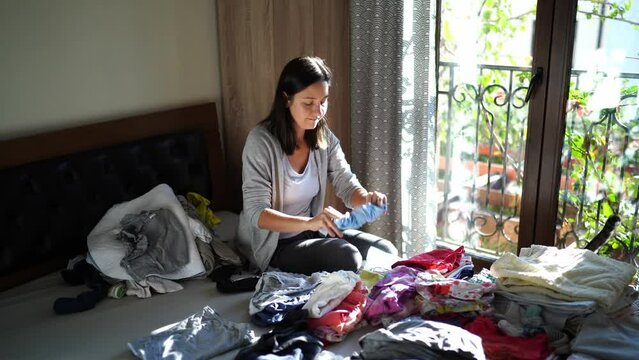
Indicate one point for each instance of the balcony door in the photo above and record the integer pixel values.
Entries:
(508, 177)
(589, 171)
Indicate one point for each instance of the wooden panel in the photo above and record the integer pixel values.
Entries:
(331, 39)
(292, 31)
(248, 76)
(332, 43)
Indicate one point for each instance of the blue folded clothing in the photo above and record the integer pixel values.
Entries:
(358, 217)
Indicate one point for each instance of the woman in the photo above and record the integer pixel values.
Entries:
(286, 162)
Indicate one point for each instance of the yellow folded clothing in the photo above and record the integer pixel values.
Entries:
(202, 208)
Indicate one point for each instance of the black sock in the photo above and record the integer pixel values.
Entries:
(72, 277)
(82, 302)
(224, 272)
(82, 273)
(79, 274)
(237, 286)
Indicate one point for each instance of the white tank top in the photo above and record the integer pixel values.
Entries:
(299, 190)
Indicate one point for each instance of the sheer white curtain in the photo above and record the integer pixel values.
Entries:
(393, 115)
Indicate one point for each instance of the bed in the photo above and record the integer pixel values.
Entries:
(56, 186)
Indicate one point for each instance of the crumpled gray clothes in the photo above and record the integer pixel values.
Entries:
(156, 243)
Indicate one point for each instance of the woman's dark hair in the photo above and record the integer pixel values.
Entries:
(297, 75)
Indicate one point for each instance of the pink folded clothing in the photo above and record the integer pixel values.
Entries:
(337, 323)
(442, 260)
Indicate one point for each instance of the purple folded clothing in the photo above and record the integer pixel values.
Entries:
(358, 217)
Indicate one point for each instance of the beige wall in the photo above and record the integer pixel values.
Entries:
(66, 62)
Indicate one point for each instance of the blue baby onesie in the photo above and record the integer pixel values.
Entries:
(358, 217)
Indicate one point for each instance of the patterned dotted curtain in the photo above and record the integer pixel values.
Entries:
(393, 115)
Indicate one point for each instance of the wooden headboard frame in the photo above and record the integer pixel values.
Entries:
(25, 150)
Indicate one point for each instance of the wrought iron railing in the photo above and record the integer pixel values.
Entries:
(600, 172)
(482, 130)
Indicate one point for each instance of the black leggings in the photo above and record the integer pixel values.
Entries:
(310, 251)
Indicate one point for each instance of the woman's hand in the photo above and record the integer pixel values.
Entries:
(325, 220)
(362, 197)
(376, 198)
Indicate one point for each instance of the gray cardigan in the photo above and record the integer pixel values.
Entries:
(263, 184)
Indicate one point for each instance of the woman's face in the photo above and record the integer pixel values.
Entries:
(309, 106)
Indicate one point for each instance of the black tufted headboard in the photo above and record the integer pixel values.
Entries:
(55, 187)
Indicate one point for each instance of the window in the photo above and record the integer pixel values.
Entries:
(507, 176)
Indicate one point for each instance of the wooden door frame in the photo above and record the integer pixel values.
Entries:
(553, 45)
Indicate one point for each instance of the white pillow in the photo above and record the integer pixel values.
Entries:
(107, 251)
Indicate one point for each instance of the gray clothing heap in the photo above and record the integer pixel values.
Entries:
(156, 244)
(263, 174)
(415, 338)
